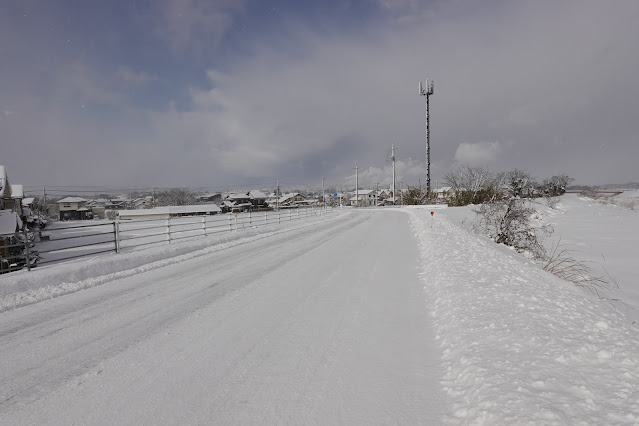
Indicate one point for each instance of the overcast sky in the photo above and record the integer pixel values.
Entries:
(176, 93)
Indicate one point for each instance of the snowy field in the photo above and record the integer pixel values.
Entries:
(602, 232)
(386, 316)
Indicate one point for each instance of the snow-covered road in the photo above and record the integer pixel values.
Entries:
(324, 324)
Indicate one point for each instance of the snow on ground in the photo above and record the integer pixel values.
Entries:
(52, 280)
(317, 325)
(603, 233)
(519, 345)
(320, 325)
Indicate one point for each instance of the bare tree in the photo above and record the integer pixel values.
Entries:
(471, 185)
(174, 197)
(521, 184)
(419, 196)
(556, 185)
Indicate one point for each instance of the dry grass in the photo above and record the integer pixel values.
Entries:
(563, 264)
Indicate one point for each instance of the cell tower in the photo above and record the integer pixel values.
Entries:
(427, 91)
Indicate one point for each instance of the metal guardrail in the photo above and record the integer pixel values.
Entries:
(60, 243)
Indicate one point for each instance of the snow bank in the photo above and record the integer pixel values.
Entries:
(519, 345)
(45, 282)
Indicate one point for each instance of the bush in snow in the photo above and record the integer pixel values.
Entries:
(418, 196)
(506, 218)
(508, 222)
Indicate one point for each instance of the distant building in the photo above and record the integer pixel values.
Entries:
(74, 208)
(289, 200)
(363, 198)
(10, 195)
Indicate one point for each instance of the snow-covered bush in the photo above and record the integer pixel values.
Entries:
(508, 222)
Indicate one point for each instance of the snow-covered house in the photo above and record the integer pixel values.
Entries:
(119, 203)
(288, 200)
(74, 208)
(10, 195)
(258, 198)
(363, 198)
(142, 203)
(237, 202)
(271, 199)
(384, 194)
(445, 193)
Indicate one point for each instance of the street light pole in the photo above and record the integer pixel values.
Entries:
(356, 188)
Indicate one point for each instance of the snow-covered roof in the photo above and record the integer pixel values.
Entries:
(9, 222)
(17, 191)
(27, 201)
(364, 192)
(209, 195)
(72, 200)
(238, 196)
(288, 196)
(257, 194)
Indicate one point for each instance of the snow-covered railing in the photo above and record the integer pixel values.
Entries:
(142, 232)
(64, 242)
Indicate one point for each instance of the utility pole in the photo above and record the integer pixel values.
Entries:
(393, 158)
(427, 91)
(356, 187)
(376, 194)
(323, 197)
(277, 196)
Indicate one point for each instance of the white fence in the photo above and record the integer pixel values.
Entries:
(63, 241)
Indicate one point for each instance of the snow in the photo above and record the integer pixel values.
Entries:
(17, 191)
(9, 222)
(26, 202)
(605, 233)
(367, 316)
(602, 232)
(71, 200)
(520, 346)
